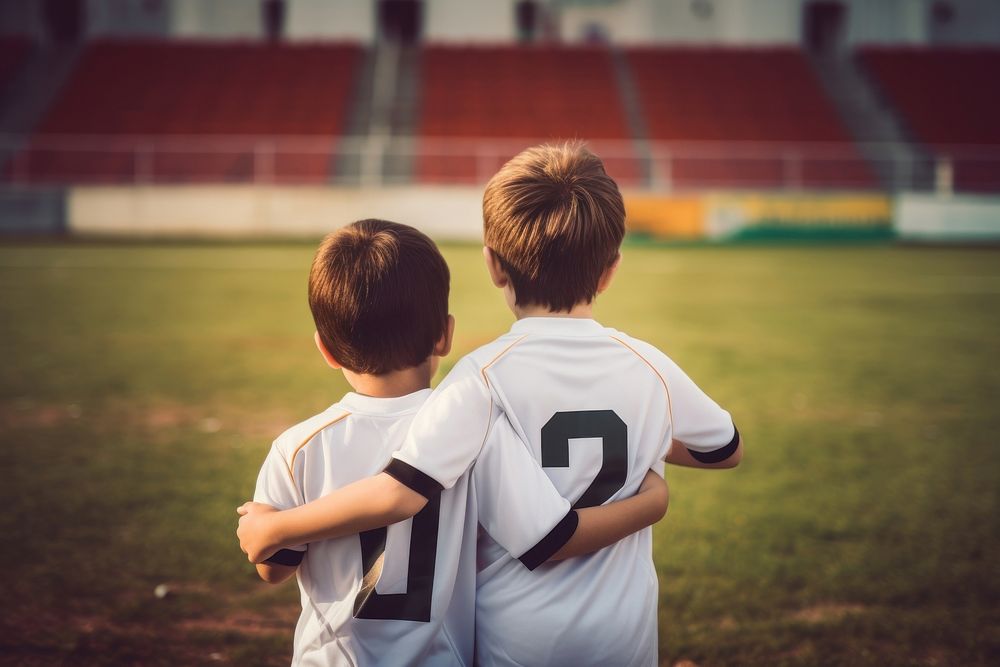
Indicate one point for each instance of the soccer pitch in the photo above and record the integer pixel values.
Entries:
(143, 383)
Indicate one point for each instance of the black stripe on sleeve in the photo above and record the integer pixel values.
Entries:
(416, 480)
(552, 542)
(286, 557)
(722, 453)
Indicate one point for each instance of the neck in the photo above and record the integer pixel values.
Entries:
(394, 384)
(580, 311)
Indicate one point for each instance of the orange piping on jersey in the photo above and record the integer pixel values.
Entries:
(291, 461)
(666, 390)
(482, 371)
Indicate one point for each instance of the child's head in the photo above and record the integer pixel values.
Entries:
(553, 221)
(378, 292)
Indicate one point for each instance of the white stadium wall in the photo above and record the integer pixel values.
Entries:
(490, 21)
(764, 22)
(715, 21)
(455, 213)
(225, 19)
(310, 20)
(959, 218)
(240, 211)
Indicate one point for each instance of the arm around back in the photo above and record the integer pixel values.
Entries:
(368, 503)
(604, 525)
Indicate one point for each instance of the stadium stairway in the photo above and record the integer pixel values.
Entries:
(30, 91)
(403, 116)
(872, 123)
(383, 116)
(347, 165)
(632, 108)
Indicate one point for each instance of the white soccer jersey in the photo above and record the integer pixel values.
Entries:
(404, 595)
(597, 409)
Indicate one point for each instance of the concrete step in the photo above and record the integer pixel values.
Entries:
(31, 92)
(628, 92)
(404, 116)
(881, 136)
(347, 165)
(32, 211)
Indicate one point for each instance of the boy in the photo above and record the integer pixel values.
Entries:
(378, 292)
(553, 226)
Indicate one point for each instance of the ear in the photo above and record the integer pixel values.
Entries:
(327, 357)
(609, 274)
(443, 347)
(497, 274)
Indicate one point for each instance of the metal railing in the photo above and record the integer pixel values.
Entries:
(379, 160)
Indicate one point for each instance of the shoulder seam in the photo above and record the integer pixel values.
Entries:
(666, 388)
(482, 373)
(291, 460)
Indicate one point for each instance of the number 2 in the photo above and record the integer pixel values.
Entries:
(604, 424)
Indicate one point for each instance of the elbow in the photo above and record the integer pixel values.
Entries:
(663, 503)
(733, 459)
(736, 457)
(273, 575)
(402, 502)
(661, 508)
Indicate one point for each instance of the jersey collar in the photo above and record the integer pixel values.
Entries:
(358, 403)
(559, 326)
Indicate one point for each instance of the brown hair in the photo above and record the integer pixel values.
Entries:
(378, 292)
(555, 220)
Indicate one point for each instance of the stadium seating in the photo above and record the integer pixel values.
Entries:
(525, 94)
(183, 111)
(949, 100)
(749, 100)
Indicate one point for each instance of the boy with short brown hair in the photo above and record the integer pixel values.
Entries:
(554, 222)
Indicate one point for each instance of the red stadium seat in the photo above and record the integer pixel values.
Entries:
(765, 108)
(950, 101)
(199, 109)
(520, 96)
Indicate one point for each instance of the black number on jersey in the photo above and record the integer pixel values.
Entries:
(604, 424)
(415, 603)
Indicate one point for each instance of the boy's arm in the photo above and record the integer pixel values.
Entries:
(604, 525)
(445, 438)
(280, 566)
(276, 487)
(366, 504)
(727, 456)
(275, 574)
(704, 435)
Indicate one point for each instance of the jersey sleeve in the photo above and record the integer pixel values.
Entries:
(277, 488)
(518, 505)
(447, 434)
(698, 421)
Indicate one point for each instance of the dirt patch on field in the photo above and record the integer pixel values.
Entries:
(26, 415)
(154, 418)
(241, 630)
(280, 622)
(824, 613)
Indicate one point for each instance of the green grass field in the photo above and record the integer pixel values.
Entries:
(142, 385)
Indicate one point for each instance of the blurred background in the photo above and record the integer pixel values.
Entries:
(809, 114)
(813, 198)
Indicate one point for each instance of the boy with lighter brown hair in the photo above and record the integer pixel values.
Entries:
(595, 407)
(378, 292)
